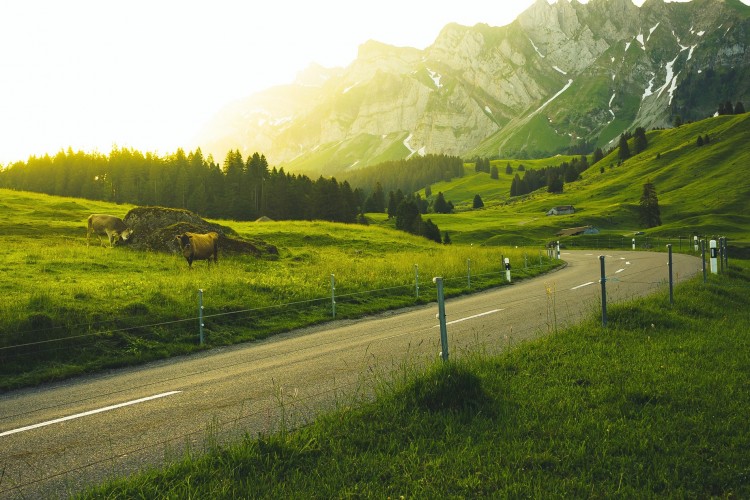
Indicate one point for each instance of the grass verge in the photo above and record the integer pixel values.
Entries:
(654, 405)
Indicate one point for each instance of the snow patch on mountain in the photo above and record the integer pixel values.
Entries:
(649, 90)
(671, 80)
(407, 143)
(640, 40)
(536, 48)
(566, 87)
(435, 78)
(651, 31)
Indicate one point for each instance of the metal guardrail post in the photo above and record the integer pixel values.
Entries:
(603, 281)
(671, 280)
(200, 316)
(441, 317)
(333, 295)
(416, 279)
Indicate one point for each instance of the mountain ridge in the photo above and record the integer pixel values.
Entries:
(559, 75)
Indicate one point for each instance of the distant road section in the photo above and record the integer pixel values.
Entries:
(58, 439)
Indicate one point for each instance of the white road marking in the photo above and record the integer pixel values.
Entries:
(471, 317)
(619, 271)
(87, 413)
(581, 286)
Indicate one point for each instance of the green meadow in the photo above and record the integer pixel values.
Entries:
(702, 190)
(72, 308)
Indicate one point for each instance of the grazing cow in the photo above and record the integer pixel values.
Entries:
(112, 226)
(197, 246)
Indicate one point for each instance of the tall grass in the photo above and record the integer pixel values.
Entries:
(653, 406)
(69, 308)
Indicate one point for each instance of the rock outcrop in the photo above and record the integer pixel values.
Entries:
(561, 75)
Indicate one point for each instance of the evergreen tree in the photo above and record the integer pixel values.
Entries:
(583, 164)
(478, 203)
(429, 230)
(375, 203)
(422, 205)
(508, 169)
(428, 191)
(554, 183)
(514, 185)
(440, 206)
(640, 143)
(699, 141)
(598, 155)
(407, 217)
(233, 173)
(570, 172)
(349, 204)
(394, 200)
(446, 238)
(624, 148)
(493, 172)
(650, 215)
(739, 108)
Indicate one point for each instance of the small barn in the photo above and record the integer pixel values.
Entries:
(562, 210)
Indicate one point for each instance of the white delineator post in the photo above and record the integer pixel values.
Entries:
(507, 269)
(714, 264)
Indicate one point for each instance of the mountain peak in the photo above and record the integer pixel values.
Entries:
(563, 75)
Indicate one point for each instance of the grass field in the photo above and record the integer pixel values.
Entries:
(653, 406)
(701, 190)
(70, 308)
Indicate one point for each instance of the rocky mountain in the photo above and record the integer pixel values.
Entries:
(560, 75)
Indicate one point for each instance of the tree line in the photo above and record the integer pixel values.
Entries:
(409, 175)
(553, 178)
(238, 189)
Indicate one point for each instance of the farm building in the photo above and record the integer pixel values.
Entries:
(562, 210)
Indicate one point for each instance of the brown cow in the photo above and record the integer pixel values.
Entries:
(197, 246)
(112, 226)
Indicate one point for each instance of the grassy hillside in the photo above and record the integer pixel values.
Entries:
(70, 308)
(701, 190)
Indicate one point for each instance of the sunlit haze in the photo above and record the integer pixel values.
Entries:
(147, 74)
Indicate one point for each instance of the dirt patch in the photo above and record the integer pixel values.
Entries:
(156, 229)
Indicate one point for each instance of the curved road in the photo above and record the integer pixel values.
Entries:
(60, 438)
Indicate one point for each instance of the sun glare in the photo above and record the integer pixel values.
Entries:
(88, 74)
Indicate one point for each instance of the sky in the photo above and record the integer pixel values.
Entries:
(148, 74)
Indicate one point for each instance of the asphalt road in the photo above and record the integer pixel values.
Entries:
(58, 439)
